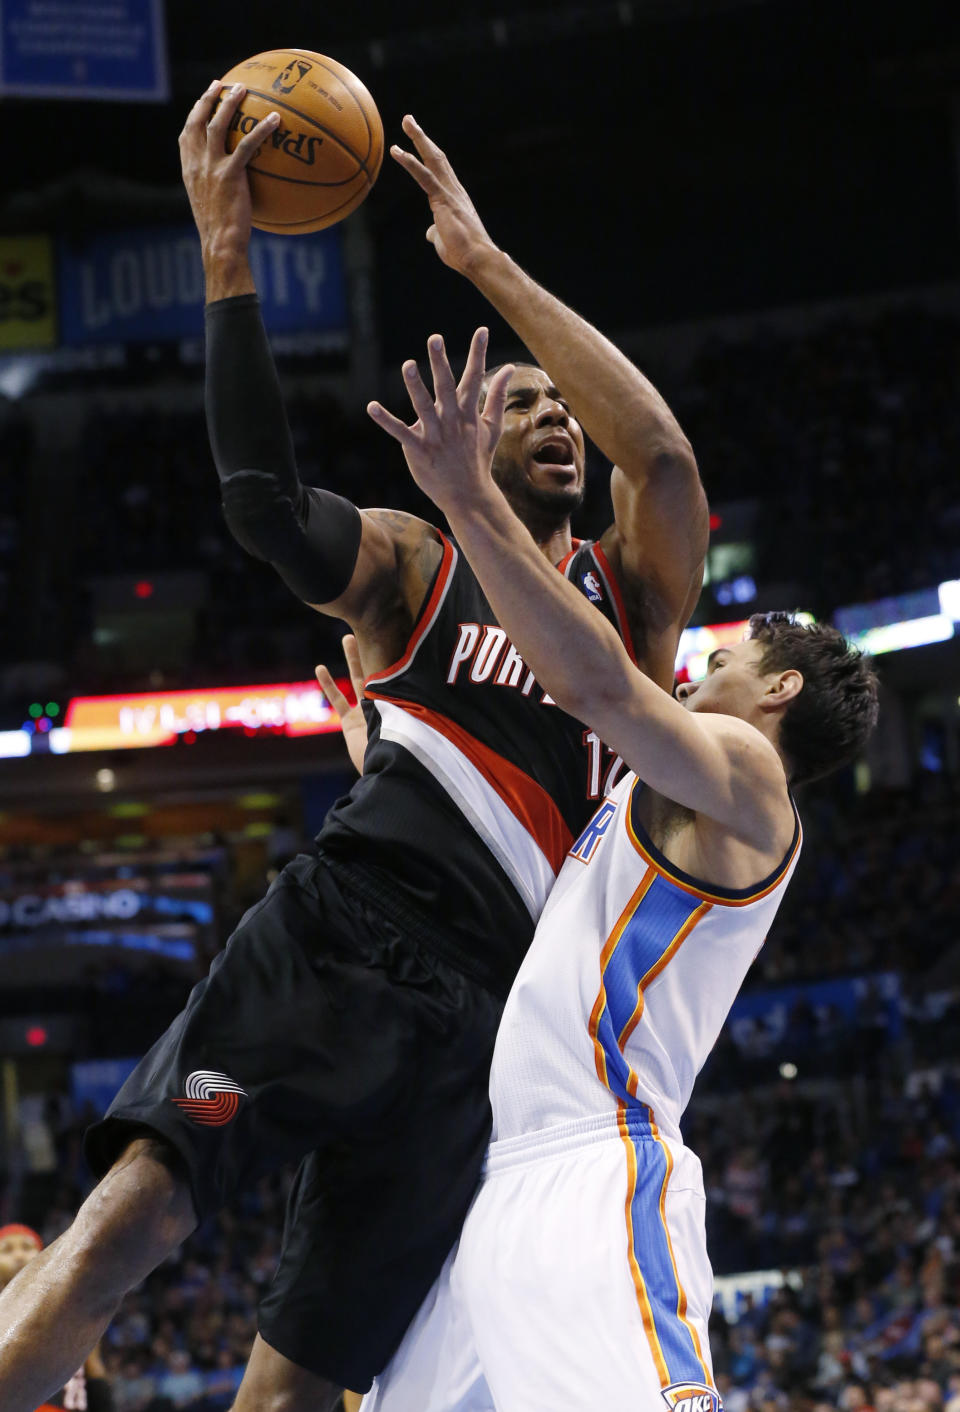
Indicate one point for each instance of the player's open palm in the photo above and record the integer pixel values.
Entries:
(450, 447)
(457, 231)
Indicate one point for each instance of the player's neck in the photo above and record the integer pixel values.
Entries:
(555, 544)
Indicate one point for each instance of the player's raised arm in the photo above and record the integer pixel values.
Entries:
(333, 557)
(714, 765)
(659, 539)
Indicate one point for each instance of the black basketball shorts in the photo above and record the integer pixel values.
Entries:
(327, 1032)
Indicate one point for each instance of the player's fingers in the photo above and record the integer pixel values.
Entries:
(472, 380)
(223, 117)
(249, 145)
(391, 425)
(418, 394)
(428, 149)
(351, 651)
(424, 178)
(496, 400)
(199, 114)
(331, 691)
(444, 386)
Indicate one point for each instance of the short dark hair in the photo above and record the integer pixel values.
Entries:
(829, 722)
(516, 363)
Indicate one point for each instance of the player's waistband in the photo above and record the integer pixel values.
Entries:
(374, 887)
(546, 1143)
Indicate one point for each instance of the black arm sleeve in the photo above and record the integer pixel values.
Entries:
(310, 536)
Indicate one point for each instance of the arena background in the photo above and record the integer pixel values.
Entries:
(760, 201)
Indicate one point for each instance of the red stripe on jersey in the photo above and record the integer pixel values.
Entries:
(562, 566)
(528, 801)
(427, 615)
(610, 578)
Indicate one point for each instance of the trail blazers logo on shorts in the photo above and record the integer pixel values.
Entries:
(212, 1099)
(692, 1397)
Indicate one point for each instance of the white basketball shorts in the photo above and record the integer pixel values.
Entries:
(581, 1280)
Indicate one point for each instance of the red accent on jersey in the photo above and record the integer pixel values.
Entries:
(427, 615)
(525, 799)
(567, 557)
(610, 579)
(211, 1112)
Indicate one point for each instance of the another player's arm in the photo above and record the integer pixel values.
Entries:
(353, 565)
(716, 766)
(352, 721)
(661, 518)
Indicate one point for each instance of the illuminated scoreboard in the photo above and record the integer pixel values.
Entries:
(163, 717)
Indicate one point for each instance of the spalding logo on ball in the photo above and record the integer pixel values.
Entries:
(322, 159)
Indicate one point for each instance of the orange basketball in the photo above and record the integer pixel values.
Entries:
(322, 160)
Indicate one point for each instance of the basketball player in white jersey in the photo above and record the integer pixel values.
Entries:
(581, 1279)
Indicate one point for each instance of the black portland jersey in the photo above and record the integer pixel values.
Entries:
(475, 783)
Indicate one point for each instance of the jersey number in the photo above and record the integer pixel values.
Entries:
(604, 767)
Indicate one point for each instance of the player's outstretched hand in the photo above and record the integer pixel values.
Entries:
(216, 180)
(450, 446)
(352, 723)
(457, 231)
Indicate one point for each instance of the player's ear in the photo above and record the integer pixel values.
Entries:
(782, 688)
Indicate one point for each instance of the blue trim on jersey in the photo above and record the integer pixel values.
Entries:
(711, 890)
(652, 1251)
(663, 911)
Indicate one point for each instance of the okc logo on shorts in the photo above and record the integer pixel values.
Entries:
(212, 1099)
(692, 1397)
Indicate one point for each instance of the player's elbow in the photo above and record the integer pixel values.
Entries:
(600, 689)
(260, 517)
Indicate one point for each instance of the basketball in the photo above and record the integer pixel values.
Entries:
(322, 160)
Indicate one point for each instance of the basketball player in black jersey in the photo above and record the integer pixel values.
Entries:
(350, 1020)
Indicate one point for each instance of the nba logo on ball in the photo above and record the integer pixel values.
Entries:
(692, 1397)
(291, 76)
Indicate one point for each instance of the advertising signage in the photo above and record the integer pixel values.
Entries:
(161, 717)
(147, 285)
(103, 49)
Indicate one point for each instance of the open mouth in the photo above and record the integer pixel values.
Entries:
(554, 453)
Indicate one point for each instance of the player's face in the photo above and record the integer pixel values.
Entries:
(539, 460)
(733, 685)
(15, 1252)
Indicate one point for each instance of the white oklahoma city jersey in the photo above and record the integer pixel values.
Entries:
(631, 974)
(582, 1278)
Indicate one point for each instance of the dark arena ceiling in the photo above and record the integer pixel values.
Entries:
(650, 159)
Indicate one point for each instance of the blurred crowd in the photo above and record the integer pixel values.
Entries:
(855, 1191)
(849, 437)
(832, 435)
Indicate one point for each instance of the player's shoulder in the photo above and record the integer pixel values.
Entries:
(417, 550)
(757, 776)
(403, 527)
